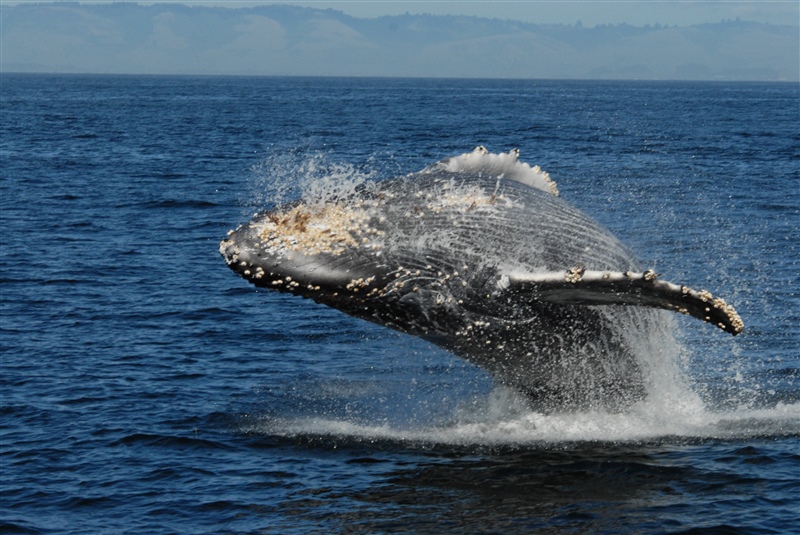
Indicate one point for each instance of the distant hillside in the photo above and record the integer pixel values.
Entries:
(288, 40)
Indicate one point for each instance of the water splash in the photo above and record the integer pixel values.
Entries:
(506, 164)
(501, 419)
(436, 406)
(316, 177)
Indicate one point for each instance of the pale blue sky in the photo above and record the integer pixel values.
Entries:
(589, 12)
(94, 36)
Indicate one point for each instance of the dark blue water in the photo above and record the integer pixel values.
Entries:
(147, 389)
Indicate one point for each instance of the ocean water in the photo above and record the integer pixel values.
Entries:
(145, 388)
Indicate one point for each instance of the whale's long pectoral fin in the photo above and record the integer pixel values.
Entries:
(581, 287)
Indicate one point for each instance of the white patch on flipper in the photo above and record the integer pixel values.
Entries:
(503, 165)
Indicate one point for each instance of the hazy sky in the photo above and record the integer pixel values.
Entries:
(94, 36)
(589, 12)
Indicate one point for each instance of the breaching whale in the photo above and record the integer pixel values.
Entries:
(478, 254)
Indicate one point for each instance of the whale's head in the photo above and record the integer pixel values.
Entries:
(324, 251)
(379, 238)
(344, 254)
(401, 253)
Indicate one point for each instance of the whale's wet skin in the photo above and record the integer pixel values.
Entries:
(479, 255)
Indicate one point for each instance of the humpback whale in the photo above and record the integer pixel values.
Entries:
(479, 255)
